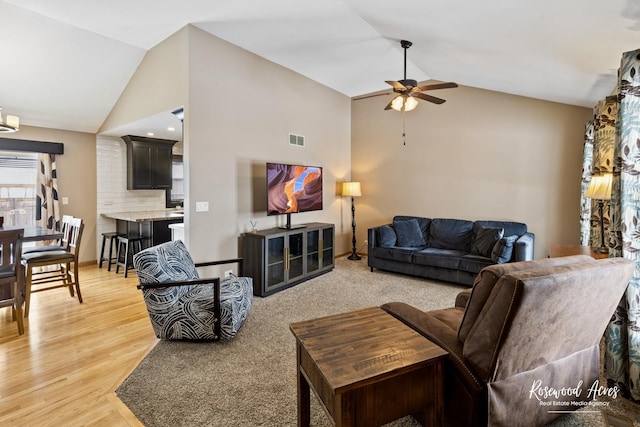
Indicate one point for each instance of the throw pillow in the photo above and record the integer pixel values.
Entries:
(503, 249)
(387, 236)
(409, 233)
(485, 240)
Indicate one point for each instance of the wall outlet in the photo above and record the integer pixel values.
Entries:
(65, 200)
(202, 206)
(366, 242)
(228, 273)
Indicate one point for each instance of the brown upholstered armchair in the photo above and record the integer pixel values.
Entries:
(527, 327)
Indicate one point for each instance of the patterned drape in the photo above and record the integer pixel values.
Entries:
(585, 204)
(47, 208)
(622, 337)
(604, 139)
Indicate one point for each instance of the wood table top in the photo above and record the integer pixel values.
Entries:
(359, 346)
(558, 250)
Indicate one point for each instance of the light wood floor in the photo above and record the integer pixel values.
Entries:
(64, 370)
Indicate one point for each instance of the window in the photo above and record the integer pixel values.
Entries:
(18, 177)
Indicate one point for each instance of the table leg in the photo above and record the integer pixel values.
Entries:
(304, 396)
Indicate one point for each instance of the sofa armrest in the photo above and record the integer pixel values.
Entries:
(524, 247)
(372, 234)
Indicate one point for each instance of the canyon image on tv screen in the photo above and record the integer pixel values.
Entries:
(293, 188)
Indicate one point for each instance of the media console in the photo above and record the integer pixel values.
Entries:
(278, 258)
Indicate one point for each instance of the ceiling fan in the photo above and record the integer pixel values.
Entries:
(408, 89)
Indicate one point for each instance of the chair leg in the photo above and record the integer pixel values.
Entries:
(27, 291)
(17, 312)
(77, 281)
(119, 243)
(67, 279)
(104, 240)
(126, 260)
(109, 262)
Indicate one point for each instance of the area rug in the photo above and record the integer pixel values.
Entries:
(251, 380)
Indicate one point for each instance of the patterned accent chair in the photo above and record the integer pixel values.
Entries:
(182, 306)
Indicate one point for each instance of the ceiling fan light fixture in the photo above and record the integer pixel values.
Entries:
(397, 103)
(410, 103)
(10, 124)
(404, 103)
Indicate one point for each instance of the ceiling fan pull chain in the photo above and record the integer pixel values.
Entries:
(404, 126)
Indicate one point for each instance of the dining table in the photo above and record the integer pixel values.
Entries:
(35, 233)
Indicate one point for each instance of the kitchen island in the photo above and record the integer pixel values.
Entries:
(152, 225)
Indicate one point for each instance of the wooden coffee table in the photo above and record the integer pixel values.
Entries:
(367, 369)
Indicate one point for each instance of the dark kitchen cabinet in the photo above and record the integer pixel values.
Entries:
(149, 162)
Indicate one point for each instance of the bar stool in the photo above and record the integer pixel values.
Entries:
(127, 248)
(112, 236)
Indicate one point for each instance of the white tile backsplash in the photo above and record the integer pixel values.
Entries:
(112, 192)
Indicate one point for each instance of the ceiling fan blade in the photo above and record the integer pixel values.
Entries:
(357, 98)
(396, 85)
(429, 98)
(449, 85)
(388, 107)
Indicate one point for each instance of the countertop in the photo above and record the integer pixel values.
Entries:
(142, 216)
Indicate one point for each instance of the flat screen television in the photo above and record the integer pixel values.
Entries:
(293, 189)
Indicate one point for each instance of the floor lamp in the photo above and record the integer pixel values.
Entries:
(352, 189)
(600, 189)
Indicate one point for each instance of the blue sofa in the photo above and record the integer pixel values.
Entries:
(451, 250)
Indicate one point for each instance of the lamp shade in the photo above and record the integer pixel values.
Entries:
(351, 189)
(599, 187)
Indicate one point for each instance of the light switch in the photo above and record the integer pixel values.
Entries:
(202, 206)
(65, 200)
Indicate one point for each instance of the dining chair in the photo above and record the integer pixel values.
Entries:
(61, 244)
(61, 274)
(11, 275)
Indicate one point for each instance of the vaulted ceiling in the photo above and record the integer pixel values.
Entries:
(64, 63)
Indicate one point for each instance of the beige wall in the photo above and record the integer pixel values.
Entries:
(159, 84)
(76, 178)
(240, 111)
(481, 155)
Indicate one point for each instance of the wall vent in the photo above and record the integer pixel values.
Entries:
(296, 140)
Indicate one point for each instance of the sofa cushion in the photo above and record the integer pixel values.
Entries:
(454, 234)
(474, 263)
(485, 239)
(510, 227)
(394, 253)
(503, 249)
(387, 236)
(409, 234)
(434, 257)
(422, 222)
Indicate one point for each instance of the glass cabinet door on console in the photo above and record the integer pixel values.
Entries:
(319, 249)
(277, 258)
(284, 259)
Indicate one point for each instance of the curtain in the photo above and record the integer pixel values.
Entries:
(622, 337)
(604, 139)
(585, 204)
(47, 206)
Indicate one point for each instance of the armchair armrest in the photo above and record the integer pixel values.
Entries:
(239, 261)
